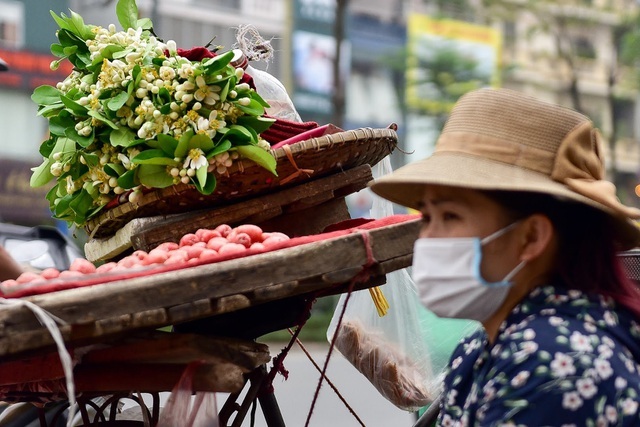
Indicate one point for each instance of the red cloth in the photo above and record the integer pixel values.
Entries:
(284, 129)
(196, 53)
(337, 230)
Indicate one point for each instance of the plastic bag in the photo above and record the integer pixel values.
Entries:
(186, 410)
(403, 353)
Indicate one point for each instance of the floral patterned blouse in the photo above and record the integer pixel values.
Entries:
(561, 358)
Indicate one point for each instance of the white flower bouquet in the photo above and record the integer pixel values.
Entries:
(136, 113)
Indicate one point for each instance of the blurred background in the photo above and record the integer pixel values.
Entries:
(360, 63)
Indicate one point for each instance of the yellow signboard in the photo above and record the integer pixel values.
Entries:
(448, 58)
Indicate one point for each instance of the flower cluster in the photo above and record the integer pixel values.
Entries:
(136, 113)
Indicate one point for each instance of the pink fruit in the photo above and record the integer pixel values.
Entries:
(179, 255)
(9, 282)
(216, 243)
(223, 229)
(70, 274)
(83, 266)
(240, 238)
(189, 239)
(193, 251)
(208, 255)
(49, 273)
(272, 240)
(232, 249)
(168, 246)
(128, 262)
(275, 234)
(104, 268)
(28, 276)
(204, 234)
(254, 232)
(257, 246)
(156, 256)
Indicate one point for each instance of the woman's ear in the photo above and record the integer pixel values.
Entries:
(537, 237)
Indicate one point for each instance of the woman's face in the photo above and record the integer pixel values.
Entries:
(460, 212)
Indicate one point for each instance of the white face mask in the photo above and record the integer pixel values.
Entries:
(447, 274)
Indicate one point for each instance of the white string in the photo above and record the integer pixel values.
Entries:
(253, 45)
(49, 321)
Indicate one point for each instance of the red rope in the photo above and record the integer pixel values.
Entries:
(278, 361)
(356, 279)
(333, 387)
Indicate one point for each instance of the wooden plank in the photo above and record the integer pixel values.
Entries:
(118, 300)
(146, 233)
(182, 348)
(146, 377)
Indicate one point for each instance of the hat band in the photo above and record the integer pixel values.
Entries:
(497, 149)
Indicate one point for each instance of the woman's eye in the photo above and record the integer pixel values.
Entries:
(426, 218)
(447, 216)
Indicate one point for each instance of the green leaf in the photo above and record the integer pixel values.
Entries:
(57, 50)
(183, 144)
(257, 123)
(225, 91)
(254, 108)
(62, 208)
(220, 148)
(153, 157)
(50, 110)
(256, 96)
(83, 141)
(91, 159)
(208, 187)
(167, 144)
(46, 148)
(103, 119)
(127, 13)
(144, 23)
(80, 205)
(201, 141)
(116, 102)
(64, 146)
(128, 180)
(114, 169)
(59, 124)
(201, 175)
(217, 63)
(237, 134)
(154, 176)
(46, 95)
(82, 30)
(72, 105)
(42, 174)
(107, 52)
(69, 50)
(122, 137)
(259, 156)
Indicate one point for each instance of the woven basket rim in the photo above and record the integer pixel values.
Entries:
(341, 141)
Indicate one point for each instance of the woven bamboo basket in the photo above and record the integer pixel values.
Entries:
(296, 163)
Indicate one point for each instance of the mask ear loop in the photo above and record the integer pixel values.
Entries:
(515, 271)
(499, 233)
(494, 236)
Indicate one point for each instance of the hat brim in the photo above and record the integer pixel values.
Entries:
(406, 185)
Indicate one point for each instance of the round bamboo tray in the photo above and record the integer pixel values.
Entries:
(296, 163)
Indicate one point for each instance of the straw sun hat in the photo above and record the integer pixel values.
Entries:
(498, 139)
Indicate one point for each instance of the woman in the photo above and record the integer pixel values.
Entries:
(521, 233)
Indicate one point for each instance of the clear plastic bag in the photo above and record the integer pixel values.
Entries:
(403, 353)
(185, 409)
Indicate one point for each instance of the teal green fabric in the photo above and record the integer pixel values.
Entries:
(442, 335)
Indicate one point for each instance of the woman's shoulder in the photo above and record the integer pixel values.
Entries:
(570, 343)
